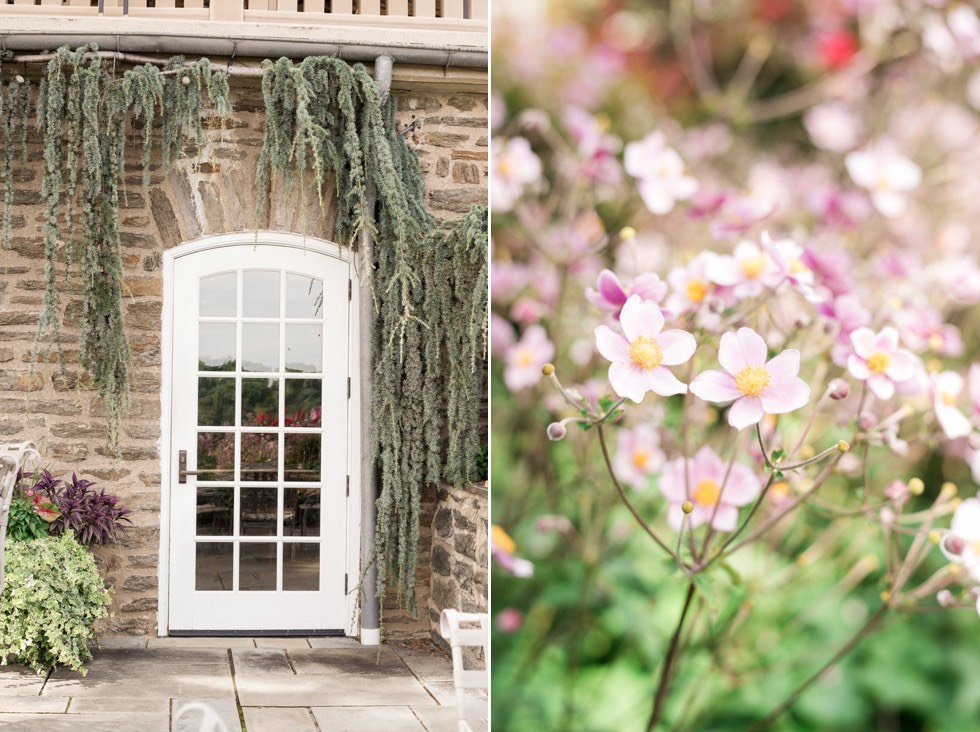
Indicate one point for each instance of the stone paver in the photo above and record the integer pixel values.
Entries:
(303, 685)
(277, 719)
(119, 641)
(84, 722)
(367, 719)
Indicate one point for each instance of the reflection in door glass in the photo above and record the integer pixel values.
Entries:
(216, 455)
(257, 567)
(214, 511)
(301, 567)
(260, 294)
(260, 456)
(218, 295)
(260, 511)
(304, 296)
(304, 348)
(303, 402)
(215, 402)
(216, 347)
(213, 564)
(260, 402)
(302, 458)
(260, 347)
(301, 512)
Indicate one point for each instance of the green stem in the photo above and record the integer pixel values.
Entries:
(867, 628)
(665, 672)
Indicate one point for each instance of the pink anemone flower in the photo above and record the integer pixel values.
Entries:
(946, 391)
(756, 386)
(611, 294)
(641, 355)
(638, 456)
(962, 543)
(715, 500)
(879, 362)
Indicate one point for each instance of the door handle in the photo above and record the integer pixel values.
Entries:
(182, 471)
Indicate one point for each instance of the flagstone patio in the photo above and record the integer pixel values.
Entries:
(258, 685)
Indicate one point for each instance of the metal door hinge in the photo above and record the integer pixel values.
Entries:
(345, 584)
(348, 387)
(348, 486)
(350, 289)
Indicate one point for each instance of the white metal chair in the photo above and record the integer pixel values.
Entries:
(475, 633)
(12, 458)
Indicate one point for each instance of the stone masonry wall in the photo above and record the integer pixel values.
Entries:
(460, 538)
(209, 190)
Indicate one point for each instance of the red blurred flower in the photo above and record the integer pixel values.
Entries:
(836, 48)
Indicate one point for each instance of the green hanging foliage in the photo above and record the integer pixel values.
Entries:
(13, 121)
(429, 362)
(82, 111)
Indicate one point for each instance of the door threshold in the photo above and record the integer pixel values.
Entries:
(256, 633)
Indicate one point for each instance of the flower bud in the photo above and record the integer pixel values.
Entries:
(843, 446)
(866, 420)
(945, 598)
(627, 233)
(916, 486)
(948, 489)
(556, 431)
(548, 369)
(838, 389)
(687, 507)
(935, 537)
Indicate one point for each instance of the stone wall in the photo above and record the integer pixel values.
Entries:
(460, 537)
(209, 190)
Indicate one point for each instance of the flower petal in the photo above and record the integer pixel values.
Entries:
(675, 515)
(785, 395)
(864, 341)
(966, 520)
(748, 349)
(715, 386)
(882, 387)
(672, 483)
(611, 344)
(629, 381)
(785, 365)
(677, 346)
(953, 421)
(726, 517)
(641, 318)
(902, 365)
(858, 368)
(610, 288)
(743, 486)
(745, 411)
(664, 383)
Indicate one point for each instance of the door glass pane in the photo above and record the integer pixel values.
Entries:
(216, 453)
(213, 567)
(303, 402)
(260, 347)
(214, 511)
(260, 507)
(304, 296)
(301, 512)
(304, 349)
(302, 459)
(260, 456)
(257, 567)
(216, 347)
(260, 402)
(215, 402)
(260, 294)
(301, 567)
(218, 295)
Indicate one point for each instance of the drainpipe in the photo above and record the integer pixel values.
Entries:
(370, 620)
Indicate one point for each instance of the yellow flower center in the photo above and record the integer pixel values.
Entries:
(640, 459)
(752, 380)
(645, 352)
(752, 267)
(779, 490)
(502, 539)
(707, 492)
(797, 267)
(879, 362)
(696, 290)
(525, 358)
(949, 398)
(505, 166)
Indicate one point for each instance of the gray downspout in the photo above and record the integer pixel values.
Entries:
(370, 615)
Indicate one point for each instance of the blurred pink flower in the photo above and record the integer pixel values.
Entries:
(692, 287)
(946, 389)
(831, 267)
(923, 329)
(886, 175)
(788, 258)
(749, 270)
(596, 149)
(756, 386)
(527, 310)
(962, 544)
(638, 456)
(878, 361)
(641, 356)
(514, 167)
(833, 126)
(510, 620)
(738, 214)
(710, 494)
(502, 335)
(611, 295)
(659, 171)
(525, 358)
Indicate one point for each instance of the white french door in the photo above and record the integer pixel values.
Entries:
(259, 440)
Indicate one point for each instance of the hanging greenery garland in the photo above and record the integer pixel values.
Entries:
(325, 120)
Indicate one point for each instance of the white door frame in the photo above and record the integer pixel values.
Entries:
(168, 456)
